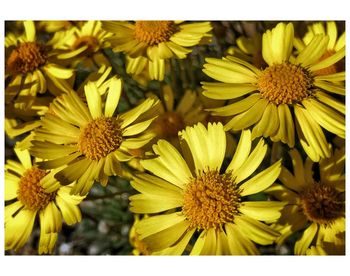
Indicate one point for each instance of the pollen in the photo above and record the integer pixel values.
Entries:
(210, 200)
(168, 124)
(30, 192)
(154, 32)
(27, 57)
(100, 137)
(90, 41)
(285, 83)
(322, 203)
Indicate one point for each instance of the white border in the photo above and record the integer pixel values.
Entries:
(175, 9)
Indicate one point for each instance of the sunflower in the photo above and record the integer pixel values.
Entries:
(150, 43)
(316, 203)
(90, 141)
(26, 199)
(265, 98)
(82, 44)
(205, 203)
(30, 68)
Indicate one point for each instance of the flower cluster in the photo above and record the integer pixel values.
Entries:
(222, 143)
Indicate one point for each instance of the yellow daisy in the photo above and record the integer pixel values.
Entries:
(26, 199)
(265, 98)
(205, 203)
(334, 45)
(91, 140)
(30, 67)
(82, 44)
(316, 203)
(173, 117)
(249, 49)
(150, 43)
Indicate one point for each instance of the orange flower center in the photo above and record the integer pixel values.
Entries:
(168, 124)
(210, 200)
(27, 57)
(285, 83)
(30, 192)
(322, 203)
(154, 32)
(100, 137)
(90, 41)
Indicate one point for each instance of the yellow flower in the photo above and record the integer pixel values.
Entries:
(249, 49)
(204, 202)
(334, 45)
(174, 117)
(30, 68)
(316, 203)
(150, 43)
(26, 199)
(91, 140)
(264, 98)
(82, 44)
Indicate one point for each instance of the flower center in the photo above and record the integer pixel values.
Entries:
(168, 124)
(100, 137)
(30, 192)
(211, 200)
(90, 41)
(27, 57)
(322, 203)
(285, 83)
(334, 68)
(154, 32)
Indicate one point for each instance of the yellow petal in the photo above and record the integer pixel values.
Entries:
(328, 61)
(149, 204)
(251, 163)
(131, 115)
(249, 117)
(59, 72)
(29, 30)
(238, 243)
(262, 180)
(11, 186)
(113, 96)
(169, 165)
(71, 213)
(304, 242)
(262, 210)
(226, 91)
(156, 69)
(327, 117)
(237, 107)
(155, 224)
(50, 219)
(93, 98)
(256, 231)
(167, 237)
(24, 157)
(242, 151)
(47, 242)
(179, 247)
(18, 229)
